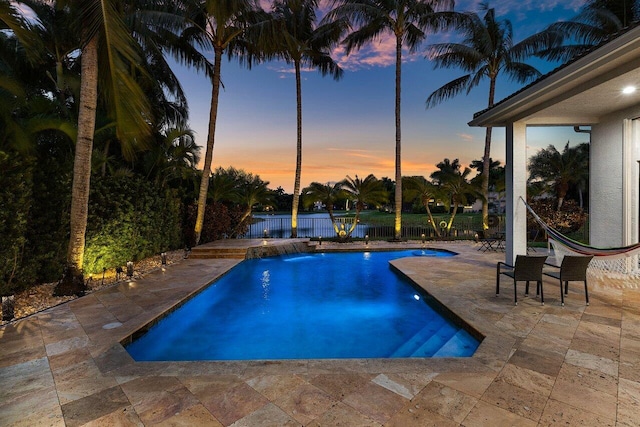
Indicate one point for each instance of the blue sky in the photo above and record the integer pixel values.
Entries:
(348, 125)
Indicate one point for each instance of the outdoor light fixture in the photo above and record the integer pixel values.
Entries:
(320, 240)
(118, 272)
(423, 238)
(366, 239)
(104, 270)
(265, 233)
(129, 269)
(187, 250)
(89, 279)
(163, 258)
(629, 90)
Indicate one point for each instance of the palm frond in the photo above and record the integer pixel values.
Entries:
(448, 91)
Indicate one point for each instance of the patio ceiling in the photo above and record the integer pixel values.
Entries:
(579, 93)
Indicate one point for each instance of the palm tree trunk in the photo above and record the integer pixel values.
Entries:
(206, 170)
(431, 220)
(296, 185)
(73, 282)
(398, 194)
(486, 160)
(453, 216)
(333, 220)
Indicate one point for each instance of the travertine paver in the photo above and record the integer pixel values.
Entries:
(538, 365)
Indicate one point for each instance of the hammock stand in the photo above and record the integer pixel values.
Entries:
(620, 262)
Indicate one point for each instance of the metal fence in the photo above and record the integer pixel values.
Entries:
(280, 227)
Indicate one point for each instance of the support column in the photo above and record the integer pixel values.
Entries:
(516, 176)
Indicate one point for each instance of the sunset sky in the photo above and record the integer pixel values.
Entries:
(348, 125)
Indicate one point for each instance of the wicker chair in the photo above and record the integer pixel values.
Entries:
(572, 269)
(527, 269)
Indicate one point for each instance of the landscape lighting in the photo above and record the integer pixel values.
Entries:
(629, 90)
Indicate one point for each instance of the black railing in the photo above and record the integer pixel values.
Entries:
(280, 227)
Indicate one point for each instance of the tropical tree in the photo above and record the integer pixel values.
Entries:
(425, 191)
(455, 186)
(486, 51)
(221, 26)
(596, 21)
(327, 194)
(408, 22)
(223, 185)
(174, 157)
(559, 170)
(110, 64)
(497, 177)
(368, 191)
(251, 191)
(299, 41)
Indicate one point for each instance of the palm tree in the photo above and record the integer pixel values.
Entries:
(328, 195)
(222, 185)
(595, 23)
(559, 170)
(424, 190)
(252, 191)
(368, 191)
(454, 183)
(407, 21)
(486, 51)
(110, 59)
(300, 41)
(219, 25)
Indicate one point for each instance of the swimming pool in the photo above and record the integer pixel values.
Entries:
(307, 306)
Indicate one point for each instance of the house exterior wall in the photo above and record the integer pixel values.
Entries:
(613, 180)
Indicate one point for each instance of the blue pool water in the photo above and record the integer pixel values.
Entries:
(327, 305)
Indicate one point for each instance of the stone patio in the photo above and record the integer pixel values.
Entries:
(538, 365)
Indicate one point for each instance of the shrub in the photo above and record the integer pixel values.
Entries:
(129, 219)
(15, 202)
(220, 221)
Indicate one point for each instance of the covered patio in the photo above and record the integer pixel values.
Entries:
(600, 89)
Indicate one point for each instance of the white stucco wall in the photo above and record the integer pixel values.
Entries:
(614, 220)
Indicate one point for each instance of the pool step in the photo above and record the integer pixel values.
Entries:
(433, 344)
(216, 253)
(412, 344)
(462, 344)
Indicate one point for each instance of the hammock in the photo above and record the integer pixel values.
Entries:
(621, 260)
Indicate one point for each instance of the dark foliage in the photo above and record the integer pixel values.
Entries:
(219, 222)
(15, 202)
(129, 219)
(569, 218)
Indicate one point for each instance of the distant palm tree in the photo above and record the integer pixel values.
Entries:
(219, 25)
(419, 187)
(251, 191)
(454, 183)
(223, 186)
(408, 21)
(486, 51)
(368, 191)
(300, 41)
(559, 170)
(328, 195)
(595, 23)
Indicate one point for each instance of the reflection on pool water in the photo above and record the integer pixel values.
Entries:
(327, 305)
